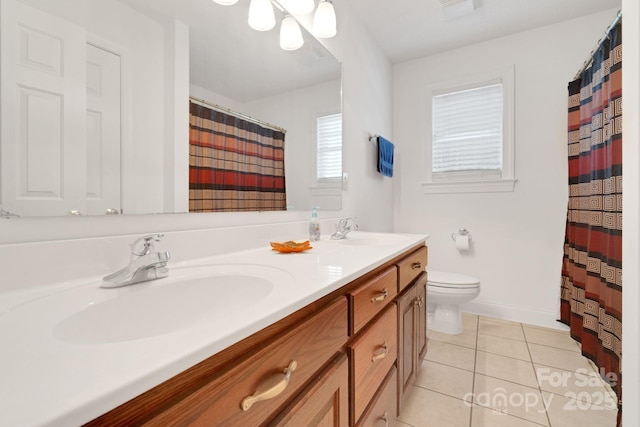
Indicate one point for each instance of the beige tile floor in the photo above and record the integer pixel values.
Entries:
(506, 374)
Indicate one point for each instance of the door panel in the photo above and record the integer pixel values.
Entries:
(103, 131)
(43, 81)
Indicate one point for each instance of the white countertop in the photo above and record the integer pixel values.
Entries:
(46, 380)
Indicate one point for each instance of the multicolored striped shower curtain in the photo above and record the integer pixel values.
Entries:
(591, 301)
(234, 164)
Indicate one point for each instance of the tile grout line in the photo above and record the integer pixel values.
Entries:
(528, 343)
(473, 378)
(544, 403)
(504, 355)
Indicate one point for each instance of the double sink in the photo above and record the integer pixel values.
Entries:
(99, 347)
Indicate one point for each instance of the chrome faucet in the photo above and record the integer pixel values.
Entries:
(343, 227)
(144, 264)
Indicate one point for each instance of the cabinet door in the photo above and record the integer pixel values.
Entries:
(421, 320)
(325, 403)
(407, 351)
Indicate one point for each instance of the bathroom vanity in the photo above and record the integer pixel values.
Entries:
(338, 347)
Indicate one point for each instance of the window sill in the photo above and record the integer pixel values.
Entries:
(333, 190)
(479, 186)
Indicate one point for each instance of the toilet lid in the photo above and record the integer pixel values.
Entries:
(451, 280)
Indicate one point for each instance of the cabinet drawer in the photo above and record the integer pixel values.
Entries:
(371, 297)
(324, 403)
(383, 409)
(371, 356)
(220, 401)
(411, 266)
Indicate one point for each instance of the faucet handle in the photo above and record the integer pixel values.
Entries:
(344, 222)
(144, 245)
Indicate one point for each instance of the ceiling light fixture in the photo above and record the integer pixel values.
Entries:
(324, 21)
(290, 34)
(262, 18)
(261, 15)
(226, 2)
(299, 7)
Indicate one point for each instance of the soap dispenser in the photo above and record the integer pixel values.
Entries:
(314, 226)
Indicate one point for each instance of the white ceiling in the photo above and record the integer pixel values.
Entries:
(403, 29)
(408, 29)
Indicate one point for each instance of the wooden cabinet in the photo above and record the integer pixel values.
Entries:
(371, 356)
(382, 411)
(369, 298)
(336, 362)
(248, 393)
(412, 334)
(421, 321)
(252, 389)
(411, 266)
(325, 403)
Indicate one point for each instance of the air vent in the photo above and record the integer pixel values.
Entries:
(452, 9)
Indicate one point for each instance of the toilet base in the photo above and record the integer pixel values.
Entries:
(445, 318)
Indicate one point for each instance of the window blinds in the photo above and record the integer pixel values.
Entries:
(467, 131)
(329, 148)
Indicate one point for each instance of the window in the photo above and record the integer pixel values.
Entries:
(329, 149)
(470, 145)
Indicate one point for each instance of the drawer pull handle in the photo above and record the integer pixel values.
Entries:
(419, 302)
(381, 296)
(271, 387)
(385, 418)
(416, 265)
(380, 354)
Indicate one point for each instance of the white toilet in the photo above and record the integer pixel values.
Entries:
(445, 292)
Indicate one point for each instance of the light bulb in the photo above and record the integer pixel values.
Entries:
(261, 16)
(299, 7)
(324, 21)
(290, 34)
(226, 2)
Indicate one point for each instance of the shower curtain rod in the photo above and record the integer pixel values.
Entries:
(237, 114)
(606, 34)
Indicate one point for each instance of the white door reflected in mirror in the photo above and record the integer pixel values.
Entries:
(78, 154)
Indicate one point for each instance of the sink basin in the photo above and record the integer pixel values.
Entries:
(189, 295)
(371, 240)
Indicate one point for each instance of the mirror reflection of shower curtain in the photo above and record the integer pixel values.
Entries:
(234, 164)
(591, 301)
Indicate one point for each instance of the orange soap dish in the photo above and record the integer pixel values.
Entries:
(290, 246)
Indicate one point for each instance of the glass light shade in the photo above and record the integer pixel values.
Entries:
(226, 2)
(290, 34)
(300, 7)
(324, 21)
(261, 16)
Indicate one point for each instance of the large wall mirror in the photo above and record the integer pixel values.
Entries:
(95, 101)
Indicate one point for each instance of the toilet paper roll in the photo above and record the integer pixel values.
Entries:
(462, 243)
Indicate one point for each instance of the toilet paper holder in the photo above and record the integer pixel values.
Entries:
(461, 232)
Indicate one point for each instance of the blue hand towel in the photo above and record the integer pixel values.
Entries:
(385, 157)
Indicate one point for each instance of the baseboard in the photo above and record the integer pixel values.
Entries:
(546, 319)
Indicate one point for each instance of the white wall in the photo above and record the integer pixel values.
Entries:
(366, 109)
(631, 209)
(176, 126)
(297, 112)
(517, 237)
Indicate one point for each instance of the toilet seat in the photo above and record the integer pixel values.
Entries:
(441, 279)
